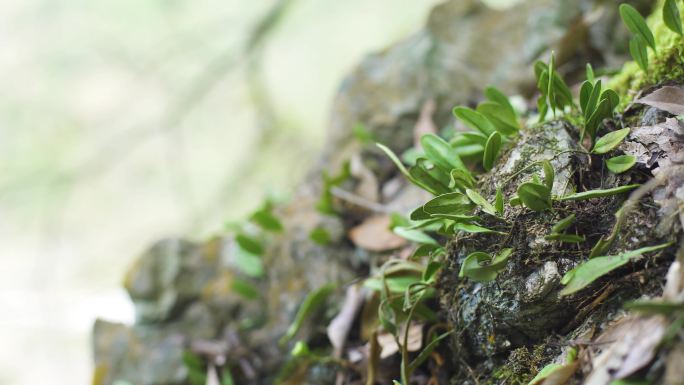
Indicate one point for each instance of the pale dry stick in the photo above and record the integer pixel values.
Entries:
(359, 201)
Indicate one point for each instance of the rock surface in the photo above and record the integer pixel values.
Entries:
(185, 293)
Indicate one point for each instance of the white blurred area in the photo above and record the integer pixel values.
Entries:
(92, 168)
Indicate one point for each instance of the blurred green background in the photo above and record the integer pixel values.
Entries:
(123, 121)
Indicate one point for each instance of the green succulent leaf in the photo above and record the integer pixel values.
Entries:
(590, 73)
(472, 228)
(419, 214)
(563, 224)
(561, 91)
(671, 16)
(499, 201)
(474, 120)
(584, 95)
(504, 122)
(482, 267)
(567, 238)
(453, 203)
(535, 196)
(491, 150)
(587, 272)
(549, 174)
(472, 267)
(460, 180)
(602, 111)
(249, 244)
(441, 153)
(636, 24)
(481, 201)
(612, 97)
(496, 96)
(598, 193)
(319, 235)
(609, 141)
(592, 100)
(637, 48)
(620, 164)
(415, 236)
(267, 221)
(429, 177)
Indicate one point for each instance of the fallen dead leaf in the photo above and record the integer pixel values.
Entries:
(635, 342)
(389, 345)
(668, 98)
(368, 187)
(374, 235)
(425, 124)
(339, 327)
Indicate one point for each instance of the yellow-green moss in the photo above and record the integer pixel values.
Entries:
(666, 65)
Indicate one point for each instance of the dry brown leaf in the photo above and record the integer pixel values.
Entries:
(339, 327)
(668, 98)
(425, 124)
(662, 144)
(374, 235)
(368, 187)
(389, 345)
(635, 341)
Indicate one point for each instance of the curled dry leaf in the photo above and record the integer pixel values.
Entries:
(373, 234)
(668, 98)
(634, 342)
(339, 327)
(662, 145)
(389, 345)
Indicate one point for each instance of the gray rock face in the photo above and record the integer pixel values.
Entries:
(523, 304)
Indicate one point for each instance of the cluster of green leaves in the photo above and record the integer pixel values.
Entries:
(596, 104)
(554, 92)
(250, 239)
(493, 121)
(642, 36)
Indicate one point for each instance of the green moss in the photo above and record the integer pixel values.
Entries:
(666, 65)
(522, 365)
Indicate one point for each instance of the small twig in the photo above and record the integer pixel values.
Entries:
(359, 201)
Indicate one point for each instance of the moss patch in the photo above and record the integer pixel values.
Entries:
(667, 65)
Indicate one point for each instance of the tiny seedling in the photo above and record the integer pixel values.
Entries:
(558, 231)
(482, 267)
(609, 141)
